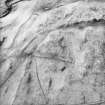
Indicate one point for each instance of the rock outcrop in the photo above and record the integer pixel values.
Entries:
(52, 52)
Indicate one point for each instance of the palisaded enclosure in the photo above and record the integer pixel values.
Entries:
(52, 52)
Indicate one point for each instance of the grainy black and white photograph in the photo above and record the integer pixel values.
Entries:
(52, 52)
